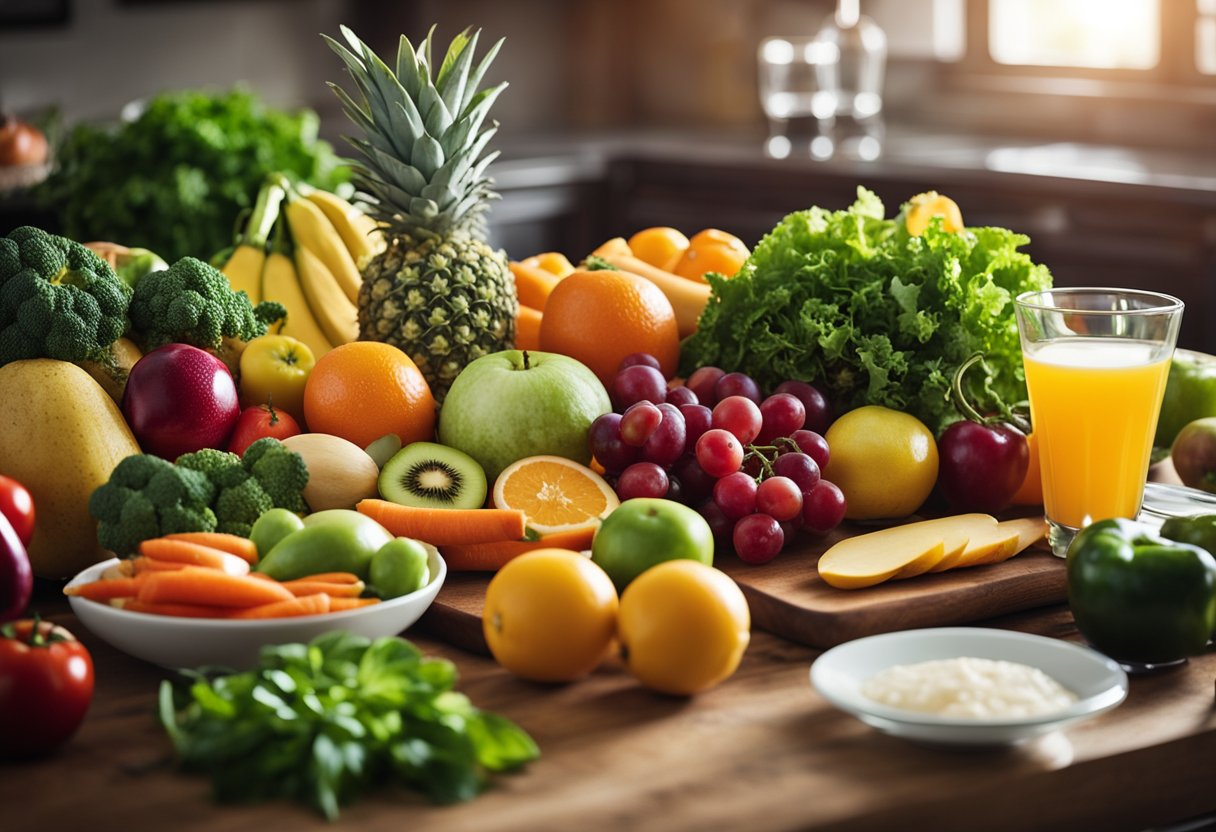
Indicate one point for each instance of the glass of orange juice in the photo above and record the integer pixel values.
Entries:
(1096, 362)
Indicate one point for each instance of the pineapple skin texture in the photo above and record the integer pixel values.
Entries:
(443, 302)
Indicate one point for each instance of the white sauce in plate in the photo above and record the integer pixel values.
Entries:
(969, 687)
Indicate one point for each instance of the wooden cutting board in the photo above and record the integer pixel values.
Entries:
(788, 598)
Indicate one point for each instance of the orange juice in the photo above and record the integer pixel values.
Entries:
(1094, 404)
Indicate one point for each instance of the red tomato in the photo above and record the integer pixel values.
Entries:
(46, 684)
(18, 506)
(258, 422)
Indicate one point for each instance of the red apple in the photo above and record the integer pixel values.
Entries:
(180, 399)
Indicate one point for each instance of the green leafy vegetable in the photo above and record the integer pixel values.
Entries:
(175, 179)
(851, 301)
(321, 722)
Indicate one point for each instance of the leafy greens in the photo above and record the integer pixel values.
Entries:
(175, 179)
(850, 300)
(319, 722)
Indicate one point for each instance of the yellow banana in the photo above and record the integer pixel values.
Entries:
(244, 267)
(336, 315)
(281, 283)
(314, 232)
(244, 271)
(360, 233)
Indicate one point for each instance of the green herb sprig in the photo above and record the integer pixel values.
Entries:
(324, 721)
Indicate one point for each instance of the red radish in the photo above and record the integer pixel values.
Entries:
(180, 399)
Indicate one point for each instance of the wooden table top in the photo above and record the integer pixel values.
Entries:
(762, 751)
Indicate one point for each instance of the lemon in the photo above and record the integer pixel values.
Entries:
(883, 460)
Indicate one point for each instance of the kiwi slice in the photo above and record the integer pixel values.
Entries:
(427, 475)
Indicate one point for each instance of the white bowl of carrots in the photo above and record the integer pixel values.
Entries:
(189, 603)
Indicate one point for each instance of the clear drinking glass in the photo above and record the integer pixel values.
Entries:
(1096, 364)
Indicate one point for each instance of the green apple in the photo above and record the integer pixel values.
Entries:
(400, 567)
(643, 532)
(271, 527)
(512, 404)
(275, 368)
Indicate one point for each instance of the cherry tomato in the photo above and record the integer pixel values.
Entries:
(46, 684)
(18, 506)
(258, 422)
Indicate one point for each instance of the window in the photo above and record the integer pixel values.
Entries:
(1098, 34)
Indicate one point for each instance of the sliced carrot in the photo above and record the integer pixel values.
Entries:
(490, 557)
(533, 284)
(179, 610)
(146, 564)
(340, 604)
(233, 544)
(304, 605)
(305, 587)
(197, 585)
(194, 554)
(447, 526)
(333, 578)
(106, 590)
(527, 328)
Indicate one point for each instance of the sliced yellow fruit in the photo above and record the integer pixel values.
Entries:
(959, 530)
(899, 551)
(1028, 530)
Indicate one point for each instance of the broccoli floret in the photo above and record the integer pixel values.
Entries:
(192, 302)
(57, 299)
(222, 468)
(238, 508)
(281, 472)
(147, 497)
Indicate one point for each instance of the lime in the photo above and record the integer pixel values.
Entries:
(399, 568)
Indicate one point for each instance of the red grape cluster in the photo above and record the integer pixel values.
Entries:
(750, 465)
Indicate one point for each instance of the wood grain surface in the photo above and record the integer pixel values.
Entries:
(761, 752)
(788, 598)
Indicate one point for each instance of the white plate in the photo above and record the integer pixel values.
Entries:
(1099, 683)
(193, 642)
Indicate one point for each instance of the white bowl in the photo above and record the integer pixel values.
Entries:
(175, 642)
(1099, 683)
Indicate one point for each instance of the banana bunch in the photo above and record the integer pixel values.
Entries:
(316, 279)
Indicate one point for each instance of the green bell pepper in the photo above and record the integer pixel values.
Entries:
(1190, 394)
(1198, 530)
(1138, 596)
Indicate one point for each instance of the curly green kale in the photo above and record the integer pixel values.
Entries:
(148, 497)
(57, 299)
(852, 301)
(192, 303)
(269, 476)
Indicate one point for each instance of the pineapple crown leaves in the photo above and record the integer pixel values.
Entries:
(424, 140)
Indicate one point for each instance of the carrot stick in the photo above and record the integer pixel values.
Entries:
(533, 284)
(446, 526)
(305, 605)
(342, 604)
(196, 585)
(106, 590)
(147, 564)
(193, 554)
(490, 557)
(302, 587)
(333, 578)
(179, 610)
(527, 328)
(233, 544)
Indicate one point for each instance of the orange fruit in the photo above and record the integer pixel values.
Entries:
(924, 207)
(556, 493)
(711, 250)
(1030, 493)
(660, 246)
(364, 390)
(683, 627)
(554, 262)
(550, 615)
(600, 317)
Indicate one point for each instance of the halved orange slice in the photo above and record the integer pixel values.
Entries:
(557, 494)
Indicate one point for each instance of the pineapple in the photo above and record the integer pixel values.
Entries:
(437, 291)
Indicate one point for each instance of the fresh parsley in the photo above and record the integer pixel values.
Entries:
(851, 301)
(323, 721)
